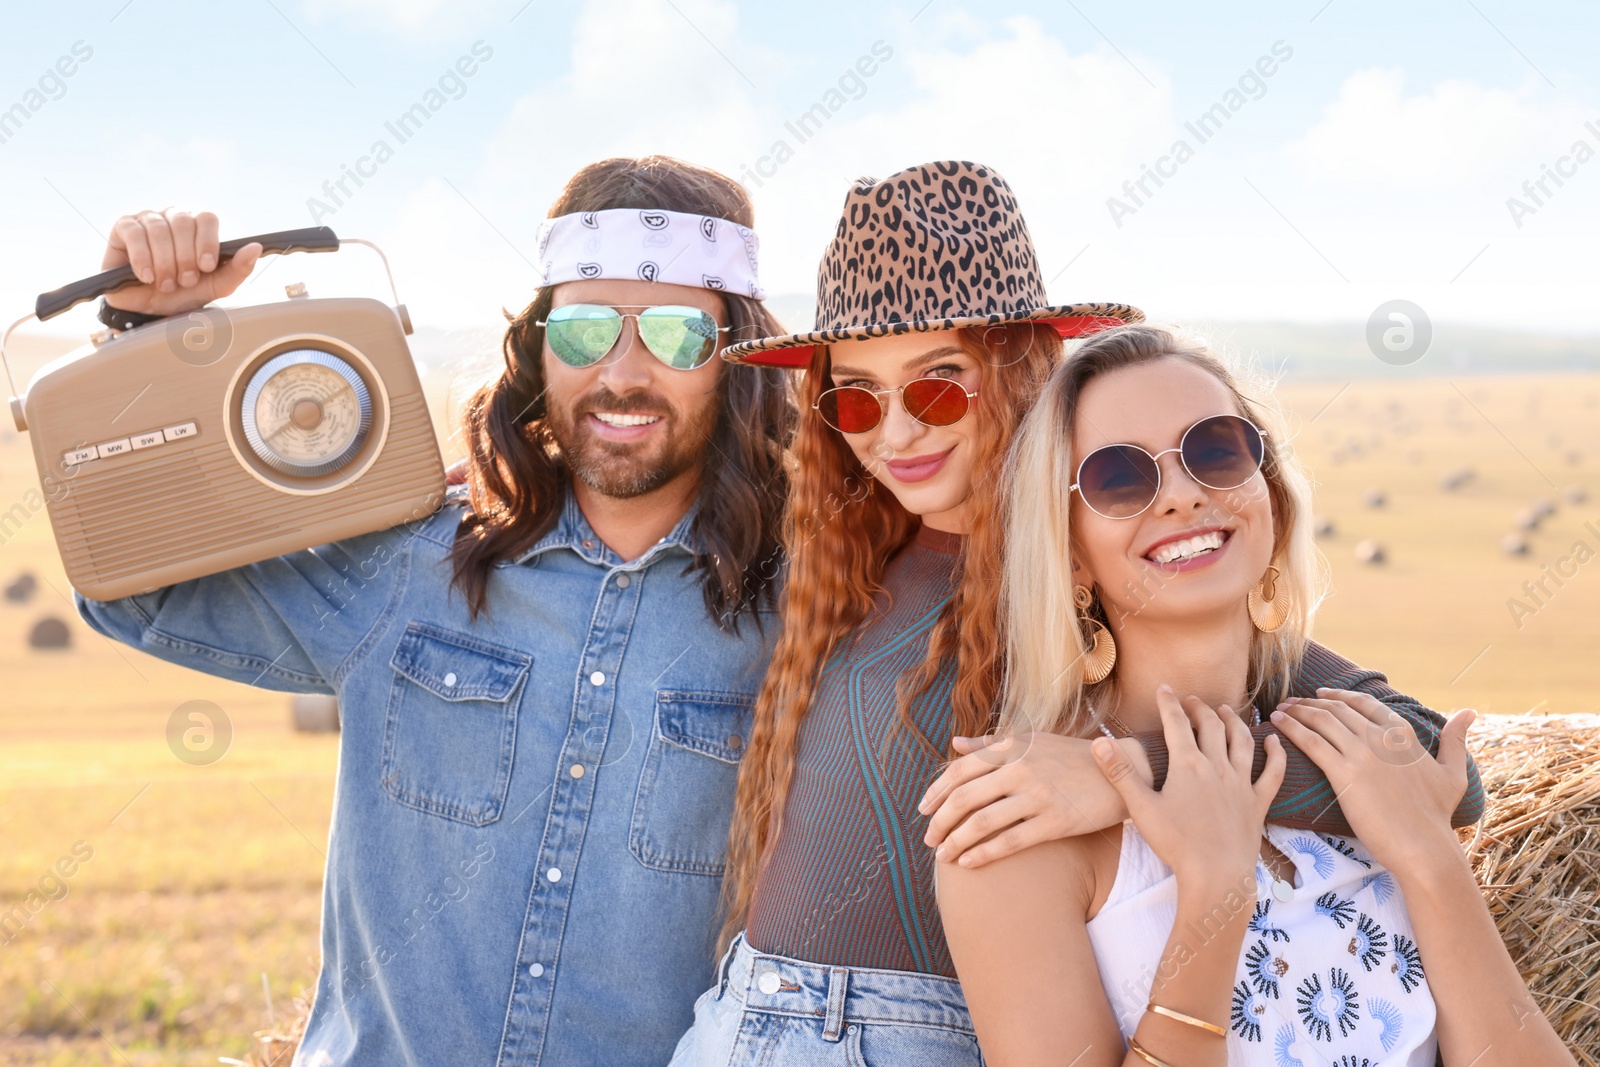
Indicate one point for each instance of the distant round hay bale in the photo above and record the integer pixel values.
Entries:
(315, 713)
(1374, 498)
(1514, 545)
(50, 633)
(1574, 457)
(1322, 527)
(1575, 494)
(1534, 854)
(20, 589)
(1529, 519)
(1370, 552)
(1450, 481)
(1544, 507)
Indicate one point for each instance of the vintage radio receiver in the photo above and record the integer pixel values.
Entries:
(225, 436)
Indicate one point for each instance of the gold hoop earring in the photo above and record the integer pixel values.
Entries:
(1269, 601)
(1102, 653)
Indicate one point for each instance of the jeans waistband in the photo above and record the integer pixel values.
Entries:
(841, 995)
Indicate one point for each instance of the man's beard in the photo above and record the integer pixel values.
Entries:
(625, 470)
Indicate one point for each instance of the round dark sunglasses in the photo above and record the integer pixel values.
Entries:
(1121, 481)
(931, 401)
(682, 337)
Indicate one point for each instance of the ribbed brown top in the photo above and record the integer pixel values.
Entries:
(849, 881)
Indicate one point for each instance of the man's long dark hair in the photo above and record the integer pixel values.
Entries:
(515, 473)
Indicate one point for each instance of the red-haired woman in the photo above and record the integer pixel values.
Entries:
(933, 339)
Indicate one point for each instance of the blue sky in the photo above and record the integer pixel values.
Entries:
(1374, 163)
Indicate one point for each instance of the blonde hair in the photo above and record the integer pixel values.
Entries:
(1044, 685)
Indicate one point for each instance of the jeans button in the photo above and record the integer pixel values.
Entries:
(768, 982)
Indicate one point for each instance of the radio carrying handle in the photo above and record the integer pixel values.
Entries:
(310, 239)
(57, 301)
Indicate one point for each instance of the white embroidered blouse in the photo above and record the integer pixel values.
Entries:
(1331, 976)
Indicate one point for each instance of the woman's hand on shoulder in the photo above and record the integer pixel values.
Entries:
(1206, 821)
(175, 257)
(1011, 792)
(1396, 796)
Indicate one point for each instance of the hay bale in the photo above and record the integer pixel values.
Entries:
(1451, 481)
(1370, 552)
(20, 590)
(276, 1045)
(1374, 498)
(1529, 519)
(50, 633)
(1536, 853)
(1514, 545)
(1544, 507)
(1575, 494)
(1322, 527)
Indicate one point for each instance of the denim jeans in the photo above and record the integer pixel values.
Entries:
(778, 1011)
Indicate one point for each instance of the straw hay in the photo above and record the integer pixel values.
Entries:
(1537, 856)
(1536, 853)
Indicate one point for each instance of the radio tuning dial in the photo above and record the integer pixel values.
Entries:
(306, 412)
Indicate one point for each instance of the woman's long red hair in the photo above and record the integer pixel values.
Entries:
(840, 532)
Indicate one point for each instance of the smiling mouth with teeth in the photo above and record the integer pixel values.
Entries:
(613, 419)
(1188, 548)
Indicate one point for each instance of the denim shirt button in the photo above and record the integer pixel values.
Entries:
(450, 679)
(576, 770)
(623, 581)
(536, 970)
(597, 678)
(554, 874)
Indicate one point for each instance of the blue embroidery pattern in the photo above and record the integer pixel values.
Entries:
(1407, 962)
(1261, 923)
(1320, 1009)
(1345, 848)
(1282, 1043)
(1316, 851)
(1370, 943)
(1336, 908)
(1264, 969)
(1382, 885)
(1245, 1017)
(1389, 1018)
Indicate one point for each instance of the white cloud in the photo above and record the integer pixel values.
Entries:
(1062, 127)
(1459, 135)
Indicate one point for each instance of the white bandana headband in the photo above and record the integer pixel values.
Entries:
(653, 246)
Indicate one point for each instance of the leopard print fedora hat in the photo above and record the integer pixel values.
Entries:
(934, 247)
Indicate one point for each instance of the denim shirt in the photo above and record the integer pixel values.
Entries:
(531, 811)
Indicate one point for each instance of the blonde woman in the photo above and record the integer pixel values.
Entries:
(1197, 934)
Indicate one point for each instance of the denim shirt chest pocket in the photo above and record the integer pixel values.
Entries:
(686, 788)
(451, 728)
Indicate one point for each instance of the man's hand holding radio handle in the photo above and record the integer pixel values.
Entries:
(174, 254)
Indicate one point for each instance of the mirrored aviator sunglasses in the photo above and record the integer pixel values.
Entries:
(1120, 481)
(680, 336)
(931, 401)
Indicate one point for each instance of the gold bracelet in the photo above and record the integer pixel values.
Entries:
(1190, 1019)
(1138, 1050)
